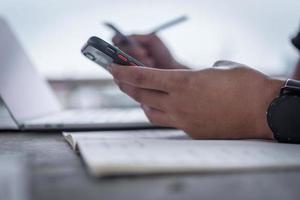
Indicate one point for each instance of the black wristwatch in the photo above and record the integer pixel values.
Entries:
(283, 114)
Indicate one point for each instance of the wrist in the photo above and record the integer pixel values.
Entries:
(269, 93)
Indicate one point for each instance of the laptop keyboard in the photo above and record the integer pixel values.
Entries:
(132, 115)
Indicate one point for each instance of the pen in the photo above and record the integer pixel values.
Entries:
(154, 31)
(169, 24)
(125, 39)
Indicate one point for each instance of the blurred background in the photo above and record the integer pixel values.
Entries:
(52, 32)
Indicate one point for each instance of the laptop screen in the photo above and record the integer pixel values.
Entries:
(23, 90)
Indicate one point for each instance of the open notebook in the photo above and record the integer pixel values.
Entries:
(170, 151)
(74, 138)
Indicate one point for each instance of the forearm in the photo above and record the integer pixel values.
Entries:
(296, 74)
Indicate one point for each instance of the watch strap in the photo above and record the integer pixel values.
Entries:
(290, 86)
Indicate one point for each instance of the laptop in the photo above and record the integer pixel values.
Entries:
(32, 104)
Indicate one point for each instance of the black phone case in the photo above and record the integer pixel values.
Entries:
(104, 53)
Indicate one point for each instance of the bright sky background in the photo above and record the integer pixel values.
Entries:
(254, 32)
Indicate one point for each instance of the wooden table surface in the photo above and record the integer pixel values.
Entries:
(56, 172)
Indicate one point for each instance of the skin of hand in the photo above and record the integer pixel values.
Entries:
(149, 49)
(227, 101)
(296, 74)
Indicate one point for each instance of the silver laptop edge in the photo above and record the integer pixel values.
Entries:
(25, 93)
(28, 96)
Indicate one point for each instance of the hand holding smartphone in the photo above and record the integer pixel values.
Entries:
(105, 54)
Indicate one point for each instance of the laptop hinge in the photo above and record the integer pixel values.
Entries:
(9, 121)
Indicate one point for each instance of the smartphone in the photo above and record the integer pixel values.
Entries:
(104, 53)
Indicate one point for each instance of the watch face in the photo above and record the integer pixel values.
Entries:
(284, 118)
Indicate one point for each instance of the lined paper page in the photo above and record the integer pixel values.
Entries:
(116, 157)
(72, 138)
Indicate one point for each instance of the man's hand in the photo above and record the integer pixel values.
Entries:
(150, 50)
(228, 101)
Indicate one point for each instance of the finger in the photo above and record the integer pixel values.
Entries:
(148, 61)
(139, 54)
(137, 51)
(120, 40)
(157, 117)
(152, 98)
(132, 49)
(145, 77)
(144, 39)
(117, 39)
